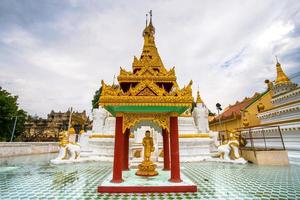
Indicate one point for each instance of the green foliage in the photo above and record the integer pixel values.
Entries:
(96, 99)
(9, 110)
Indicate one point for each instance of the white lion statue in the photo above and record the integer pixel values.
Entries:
(230, 150)
(68, 150)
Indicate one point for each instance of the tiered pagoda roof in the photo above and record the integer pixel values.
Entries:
(149, 87)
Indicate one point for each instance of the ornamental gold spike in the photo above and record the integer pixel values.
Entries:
(198, 100)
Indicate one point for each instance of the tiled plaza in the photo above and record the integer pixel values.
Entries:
(32, 177)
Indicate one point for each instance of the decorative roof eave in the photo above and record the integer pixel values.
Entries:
(146, 101)
(109, 91)
(163, 78)
(146, 84)
(114, 96)
(127, 76)
(156, 62)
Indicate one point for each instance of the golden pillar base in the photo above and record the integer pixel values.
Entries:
(146, 168)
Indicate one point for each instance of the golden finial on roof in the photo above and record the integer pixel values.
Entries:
(149, 31)
(198, 100)
(150, 56)
(281, 76)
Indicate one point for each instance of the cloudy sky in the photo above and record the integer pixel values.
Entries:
(53, 54)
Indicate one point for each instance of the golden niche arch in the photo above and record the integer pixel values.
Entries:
(131, 119)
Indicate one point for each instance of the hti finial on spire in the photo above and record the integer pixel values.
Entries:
(150, 13)
(276, 59)
(149, 27)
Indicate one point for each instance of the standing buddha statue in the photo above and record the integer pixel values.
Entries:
(147, 167)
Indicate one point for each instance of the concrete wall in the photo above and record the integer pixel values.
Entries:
(27, 148)
(266, 157)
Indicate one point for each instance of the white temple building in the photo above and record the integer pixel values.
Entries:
(283, 118)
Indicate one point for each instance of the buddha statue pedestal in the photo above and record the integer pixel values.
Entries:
(146, 168)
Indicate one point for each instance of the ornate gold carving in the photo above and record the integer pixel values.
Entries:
(146, 92)
(130, 119)
(147, 73)
(137, 153)
(260, 107)
(108, 90)
(186, 91)
(161, 153)
(245, 118)
(187, 113)
(143, 85)
(177, 97)
(63, 138)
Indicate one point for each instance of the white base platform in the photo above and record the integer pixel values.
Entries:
(162, 179)
(237, 161)
(79, 160)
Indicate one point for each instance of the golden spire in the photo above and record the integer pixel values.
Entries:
(198, 100)
(150, 56)
(281, 76)
(149, 32)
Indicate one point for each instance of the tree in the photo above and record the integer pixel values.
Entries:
(96, 99)
(9, 110)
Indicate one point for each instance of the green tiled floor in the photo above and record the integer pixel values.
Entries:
(32, 177)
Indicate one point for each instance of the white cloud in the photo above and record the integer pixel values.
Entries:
(227, 48)
(276, 32)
